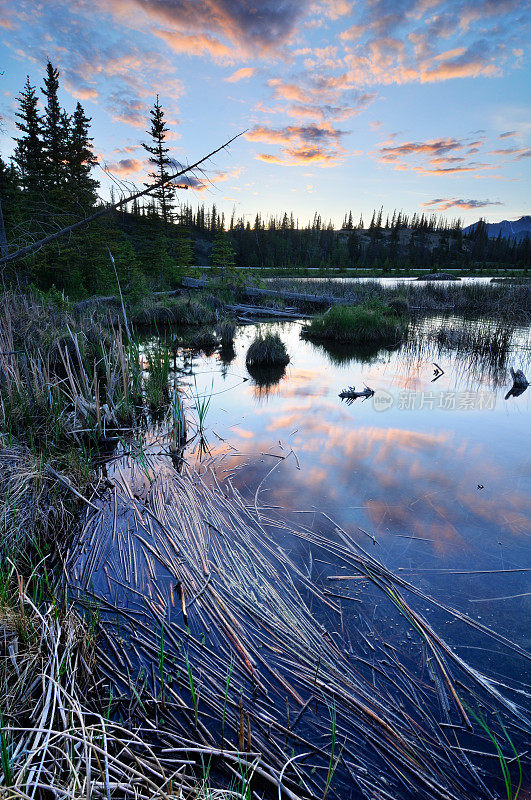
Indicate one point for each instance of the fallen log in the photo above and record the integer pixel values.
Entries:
(263, 311)
(300, 297)
(253, 291)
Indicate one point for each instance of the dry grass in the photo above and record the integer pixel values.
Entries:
(217, 631)
(501, 299)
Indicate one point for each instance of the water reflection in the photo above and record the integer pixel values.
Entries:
(406, 473)
(340, 354)
(265, 379)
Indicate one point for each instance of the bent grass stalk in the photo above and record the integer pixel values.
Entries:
(503, 761)
(161, 662)
(5, 760)
(331, 765)
(227, 685)
(191, 684)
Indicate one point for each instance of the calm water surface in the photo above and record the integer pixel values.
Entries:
(433, 477)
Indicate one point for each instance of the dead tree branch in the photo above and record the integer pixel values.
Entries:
(31, 248)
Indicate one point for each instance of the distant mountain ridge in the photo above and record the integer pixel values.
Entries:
(510, 229)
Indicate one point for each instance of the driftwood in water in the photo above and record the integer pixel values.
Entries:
(520, 384)
(252, 291)
(351, 394)
(300, 297)
(262, 311)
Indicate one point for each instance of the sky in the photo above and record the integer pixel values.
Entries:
(418, 105)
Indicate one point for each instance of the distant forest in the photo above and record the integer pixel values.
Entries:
(49, 182)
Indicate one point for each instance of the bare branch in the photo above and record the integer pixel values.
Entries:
(31, 248)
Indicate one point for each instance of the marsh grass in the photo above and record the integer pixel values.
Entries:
(481, 340)
(66, 385)
(505, 300)
(250, 606)
(371, 323)
(178, 420)
(157, 383)
(171, 311)
(504, 764)
(267, 351)
(226, 331)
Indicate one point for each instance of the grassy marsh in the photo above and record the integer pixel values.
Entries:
(200, 659)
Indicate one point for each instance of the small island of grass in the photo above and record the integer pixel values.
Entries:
(369, 323)
(267, 351)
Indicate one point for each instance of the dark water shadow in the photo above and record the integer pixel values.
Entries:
(266, 378)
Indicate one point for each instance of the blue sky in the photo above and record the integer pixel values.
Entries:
(419, 105)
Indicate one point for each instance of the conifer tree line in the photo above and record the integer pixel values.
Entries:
(53, 156)
(49, 181)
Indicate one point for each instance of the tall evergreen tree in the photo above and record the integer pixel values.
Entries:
(55, 128)
(81, 159)
(160, 160)
(28, 152)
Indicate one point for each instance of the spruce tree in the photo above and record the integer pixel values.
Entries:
(55, 129)
(81, 159)
(160, 160)
(28, 152)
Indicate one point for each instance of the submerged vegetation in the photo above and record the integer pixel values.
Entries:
(370, 323)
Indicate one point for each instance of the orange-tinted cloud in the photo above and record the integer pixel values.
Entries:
(300, 144)
(431, 147)
(302, 156)
(443, 204)
(516, 152)
(126, 167)
(241, 74)
(250, 28)
(195, 44)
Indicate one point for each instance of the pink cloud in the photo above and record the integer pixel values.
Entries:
(241, 74)
(443, 204)
(195, 44)
(126, 167)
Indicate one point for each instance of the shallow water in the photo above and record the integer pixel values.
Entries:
(430, 477)
(437, 474)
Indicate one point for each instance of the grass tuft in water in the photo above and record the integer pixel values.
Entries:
(267, 351)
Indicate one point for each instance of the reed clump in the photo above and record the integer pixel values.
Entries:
(267, 351)
(68, 382)
(32, 506)
(507, 300)
(494, 343)
(364, 324)
(156, 384)
(173, 311)
(226, 331)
